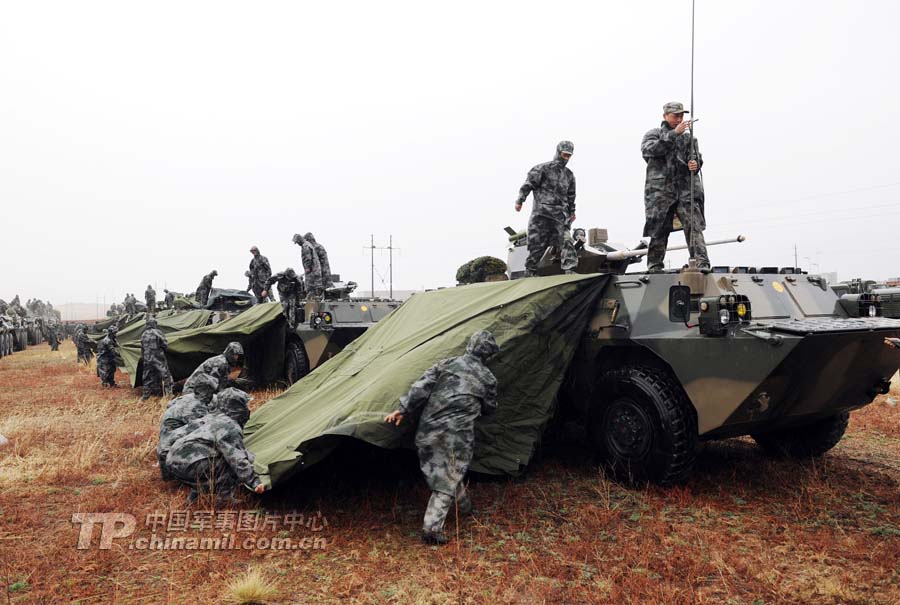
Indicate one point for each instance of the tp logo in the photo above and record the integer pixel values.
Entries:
(115, 525)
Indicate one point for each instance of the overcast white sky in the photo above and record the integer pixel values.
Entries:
(154, 142)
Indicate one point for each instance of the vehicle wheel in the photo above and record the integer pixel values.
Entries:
(296, 361)
(643, 426)
(804, 441)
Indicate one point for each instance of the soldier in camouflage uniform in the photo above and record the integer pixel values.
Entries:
(150, 299)
(156, 377)
(205, 287)
(180, 412)
(83, 344)
(553, 209)
(219, 367)
(53, 337)
(312, 268)
(290, 292)
(108, 358)
(327, 282)
(451, 395)
(169, 299)
(130, 305)
(673, 161)
(211, 456)
(572, 244)
(259, 274)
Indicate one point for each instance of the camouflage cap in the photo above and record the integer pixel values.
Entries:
(566, 147)
(254, 249)
(674, 107)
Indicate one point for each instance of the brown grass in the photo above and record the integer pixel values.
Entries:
(746, 529)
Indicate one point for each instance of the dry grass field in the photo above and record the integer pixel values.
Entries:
(745, 530)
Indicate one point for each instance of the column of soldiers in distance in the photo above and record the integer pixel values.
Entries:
(673, 189)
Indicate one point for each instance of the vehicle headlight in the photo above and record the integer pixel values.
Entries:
(724, 316)
(742, 310)
(872, 311)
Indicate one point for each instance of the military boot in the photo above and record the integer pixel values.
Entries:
(436, 538)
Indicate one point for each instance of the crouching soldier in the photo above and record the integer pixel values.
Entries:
(211, 457)
(180, 412)
(219, 367)
(108, 358)
(451, 395)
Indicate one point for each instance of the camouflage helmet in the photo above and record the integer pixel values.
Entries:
(233, 403)
(204, 387)
(151, 323)
(234, 353)
(482, 345)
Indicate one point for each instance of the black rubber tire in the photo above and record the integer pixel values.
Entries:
(804, 442)
(643, 426)
(296, 361)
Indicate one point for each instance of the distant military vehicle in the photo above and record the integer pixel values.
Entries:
(670, 359)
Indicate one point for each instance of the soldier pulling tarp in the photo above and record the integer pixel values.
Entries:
(537, 324)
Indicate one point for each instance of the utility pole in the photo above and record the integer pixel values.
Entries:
(796, 263)
(390, 248)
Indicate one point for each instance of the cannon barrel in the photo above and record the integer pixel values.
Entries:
(618, 255)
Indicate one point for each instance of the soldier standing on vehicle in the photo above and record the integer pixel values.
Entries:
(169, 299)
(108, 358)
(290, 292)
(156, 377)
(219, 367)
(552, 185)
(212, 457)
(150, 299)
(451, 395)
(260, 272)
(205, 287)
(673, 161)
(327, 282)
(312, 268)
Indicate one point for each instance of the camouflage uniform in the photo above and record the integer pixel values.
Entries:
(290, 293)
(211, 457)
(260, 272)
(667, 193)
(204, 288)
(130, 307)
(53, 338)
(180, 412)
(219, 367)
(312, 268)
(553, 188)
(572, 244)
(156, 376)
(169, 299)
(323, 261)
(451, 395)
(150, 299)
(83, 345)
(108, 358)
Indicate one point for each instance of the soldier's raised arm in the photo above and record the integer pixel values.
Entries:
(656, 143)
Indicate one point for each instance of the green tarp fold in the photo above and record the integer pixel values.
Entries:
(261, 330)
(537, 323)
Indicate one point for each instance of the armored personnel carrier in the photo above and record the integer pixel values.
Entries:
(670, 359)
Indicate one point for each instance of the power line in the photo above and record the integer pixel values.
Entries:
(817, 196)
(814, 214)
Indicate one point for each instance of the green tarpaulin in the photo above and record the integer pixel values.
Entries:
(537, 323)
(260, 329)
(129, 337)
